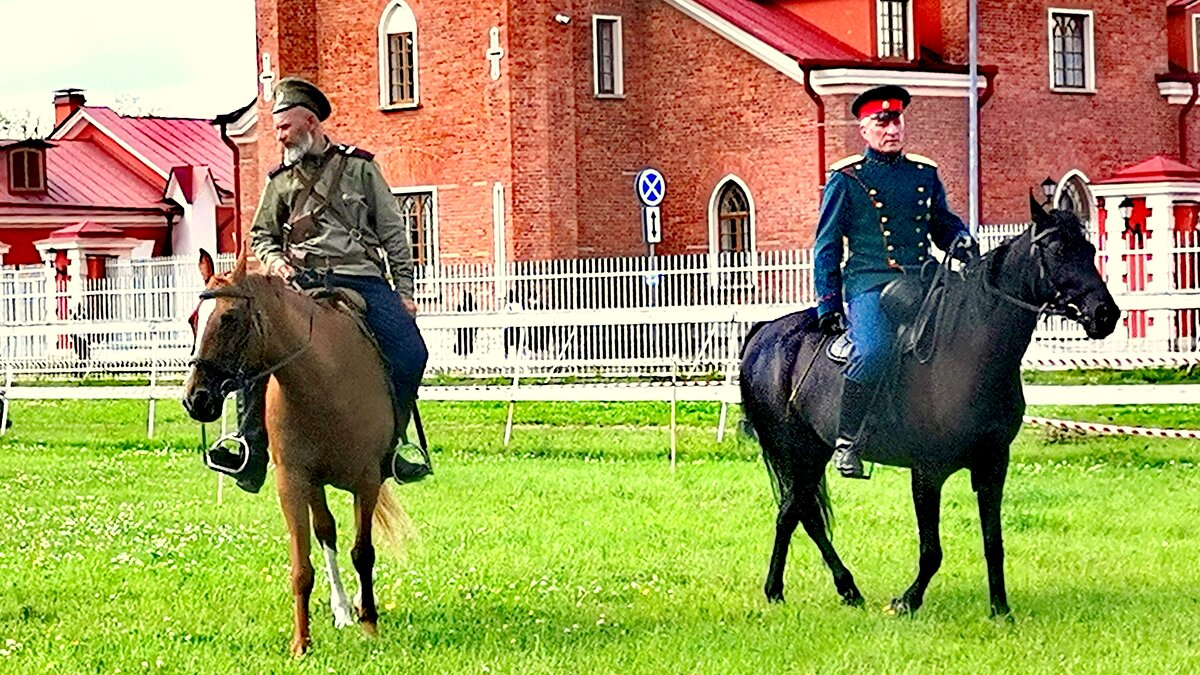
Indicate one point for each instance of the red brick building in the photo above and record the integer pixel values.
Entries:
(514, 129)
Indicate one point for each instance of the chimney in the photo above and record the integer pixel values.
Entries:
(66, 102)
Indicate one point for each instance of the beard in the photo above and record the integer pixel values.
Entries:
(301, 144)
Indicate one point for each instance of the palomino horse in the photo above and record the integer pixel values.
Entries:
(957, 402)
(329, 418)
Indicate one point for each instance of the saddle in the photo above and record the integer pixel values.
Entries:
(901, 300)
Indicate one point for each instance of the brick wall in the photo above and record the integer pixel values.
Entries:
(697, 107)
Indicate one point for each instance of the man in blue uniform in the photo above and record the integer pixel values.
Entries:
(885, 206)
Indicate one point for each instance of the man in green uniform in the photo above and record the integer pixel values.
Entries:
(885, 206)
(328, 216)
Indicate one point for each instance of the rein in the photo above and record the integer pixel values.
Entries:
(239, 379)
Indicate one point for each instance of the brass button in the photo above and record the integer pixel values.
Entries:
(917, 230)
(891, 248)
(920, 188)
(872, 192)
(928, 217)
(883, 219)
(921, 258)
(879, 205)
(887, 233)
(891, 261)
(858, 167)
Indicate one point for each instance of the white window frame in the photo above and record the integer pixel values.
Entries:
(432, 267)
(909, 43)
(1089, 48)
(618, 56)
(399, 18)
(1194, 37)
(716, 275)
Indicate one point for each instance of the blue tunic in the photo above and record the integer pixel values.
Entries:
(886, 209)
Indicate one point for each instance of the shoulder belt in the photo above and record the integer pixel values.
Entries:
(354, 151)
(843, 163)
(920, 159)
(278, 170)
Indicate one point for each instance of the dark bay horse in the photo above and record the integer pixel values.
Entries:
(959, 406)
(329, 417)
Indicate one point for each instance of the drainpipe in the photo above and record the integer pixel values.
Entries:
(812, 93)
(989, 88)
(237, 187)
(1194, 79)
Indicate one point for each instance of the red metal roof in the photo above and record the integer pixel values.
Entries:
(1180, 4)
(169, 142)
(79, 173)
(782, 30)
(86, 230)
(1157, 169)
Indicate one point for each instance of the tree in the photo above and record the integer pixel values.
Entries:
(21, 125)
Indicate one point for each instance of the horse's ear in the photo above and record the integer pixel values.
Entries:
(239, 268)
(207, 268)
(1039, 215)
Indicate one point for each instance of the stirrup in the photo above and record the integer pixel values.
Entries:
(219, 444)
(396, 455)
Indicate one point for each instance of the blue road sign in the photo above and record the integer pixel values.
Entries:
(651, 187)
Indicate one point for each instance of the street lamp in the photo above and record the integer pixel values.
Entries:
(1126, 209)
(1048, 187)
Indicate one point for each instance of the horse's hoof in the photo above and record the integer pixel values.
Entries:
(899, 607)
(343, 616)
(853, 598)
(774, 596)
(300, 647)
(1001, 614)
(370, 629)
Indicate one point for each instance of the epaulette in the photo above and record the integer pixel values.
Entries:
(354, 151)
(843, 163)
(278, 170)
(920, 159)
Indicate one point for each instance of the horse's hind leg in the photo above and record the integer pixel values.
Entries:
(363, 555)
(802, 500)
(326, 530)
(814, 515)
(294, 498)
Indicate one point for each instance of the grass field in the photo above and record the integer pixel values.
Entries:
(576, 550)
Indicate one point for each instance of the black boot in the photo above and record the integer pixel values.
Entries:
(249, 465)
(846, 448)
(396, 466)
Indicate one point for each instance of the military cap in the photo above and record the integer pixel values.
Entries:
(889, 98)
(294, 91)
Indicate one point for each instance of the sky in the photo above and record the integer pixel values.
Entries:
(165, 57)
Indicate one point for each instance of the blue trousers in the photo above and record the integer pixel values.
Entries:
(872, 339)
(395, 330)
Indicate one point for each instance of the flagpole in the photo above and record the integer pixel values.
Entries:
(973, 119)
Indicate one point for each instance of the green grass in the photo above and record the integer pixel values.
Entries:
(577, 550)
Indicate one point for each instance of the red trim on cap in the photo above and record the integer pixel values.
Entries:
(871, 107)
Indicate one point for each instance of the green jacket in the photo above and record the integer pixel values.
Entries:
(886, 210)
(347, 227)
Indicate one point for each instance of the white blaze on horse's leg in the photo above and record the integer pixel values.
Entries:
(343, 611)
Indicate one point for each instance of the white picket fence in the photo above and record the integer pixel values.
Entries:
(681, 315)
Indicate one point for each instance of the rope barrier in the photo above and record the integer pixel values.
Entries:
(1111, 429)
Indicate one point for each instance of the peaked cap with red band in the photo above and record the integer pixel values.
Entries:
(888, 98)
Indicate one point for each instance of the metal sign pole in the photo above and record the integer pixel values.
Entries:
(973, 120)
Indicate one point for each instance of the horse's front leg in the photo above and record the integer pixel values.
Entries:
(989, 487)
(294, 498)
(927, 498)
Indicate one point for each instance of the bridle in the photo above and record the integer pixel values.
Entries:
(234, 374)
(1060, 305)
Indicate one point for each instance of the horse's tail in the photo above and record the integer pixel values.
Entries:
(391, 522)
